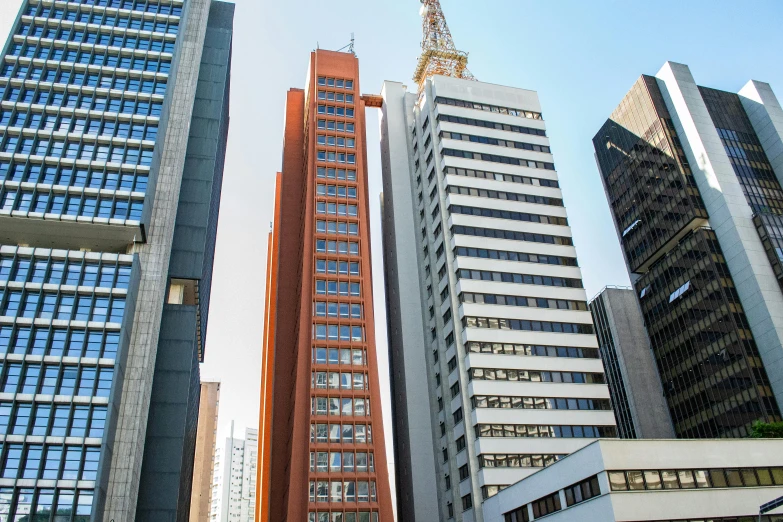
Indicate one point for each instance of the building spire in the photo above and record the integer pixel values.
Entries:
(438, 53)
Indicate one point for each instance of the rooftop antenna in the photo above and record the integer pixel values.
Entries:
(349, 47)
(439, 55)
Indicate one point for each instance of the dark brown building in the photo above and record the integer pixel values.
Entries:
(689, 184)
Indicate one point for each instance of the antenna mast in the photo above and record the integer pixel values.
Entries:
(439, 56)
(350, 46)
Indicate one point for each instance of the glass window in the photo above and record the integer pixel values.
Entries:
(686, 479)
(68, 383)
(653, 479)
(73, 457)
(764, 477)
(702, 480)
(617, 481)
(97, 422)
(13, 458)
(49, 382)
(718, 478)
(52, 462)
(749, 477)
(733, 478)
(32, 461)
(21, 419)
(41, 420)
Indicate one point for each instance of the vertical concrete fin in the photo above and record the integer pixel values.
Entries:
(155, 255)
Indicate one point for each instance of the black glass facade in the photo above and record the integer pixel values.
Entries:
(712, 376)
(754, 172)
(750, 163)
(648, 179)
(769, 226)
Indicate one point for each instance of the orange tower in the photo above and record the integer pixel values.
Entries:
(322, 455)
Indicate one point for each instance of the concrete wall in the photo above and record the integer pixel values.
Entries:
(115, 398)
(154, 254)
(642, 382)
(175, 381)
(628, 506)
(414, 456)
(170, 447)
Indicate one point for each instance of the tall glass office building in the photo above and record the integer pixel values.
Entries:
(112, 138)
(692, 176)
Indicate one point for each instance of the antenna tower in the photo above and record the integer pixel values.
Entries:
(438, 53)
(350, 46)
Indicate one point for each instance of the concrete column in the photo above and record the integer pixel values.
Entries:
(766, 116)
(730, 216)
(414, 447)
(155, 254)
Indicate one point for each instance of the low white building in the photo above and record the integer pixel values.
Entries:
(650, 480)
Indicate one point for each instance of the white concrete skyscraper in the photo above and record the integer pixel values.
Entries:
(234, 480)
(487, 313)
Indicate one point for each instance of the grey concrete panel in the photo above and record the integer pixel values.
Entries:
(172, 426)
(125, 475)
(639, 371)
(66, 234)
(168, 456)
(414, 447)
(115, 396)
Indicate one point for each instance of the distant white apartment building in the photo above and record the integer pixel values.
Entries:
(234, 479)
(495, 364)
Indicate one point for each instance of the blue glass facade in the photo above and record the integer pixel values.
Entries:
(82, 86)
(62, 315)
(82, 92)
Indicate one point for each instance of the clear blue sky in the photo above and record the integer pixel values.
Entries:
(581, 56)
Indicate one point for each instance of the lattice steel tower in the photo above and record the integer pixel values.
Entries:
(439, 56)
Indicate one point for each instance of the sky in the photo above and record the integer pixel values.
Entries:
(581, 56)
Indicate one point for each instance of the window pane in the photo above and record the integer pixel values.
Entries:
(733, 478)
(653, 480)
(717, 478)
(702, 480)
(617, 481)
(749, 477)
(765, 478)
(686, 479)
(635, 481)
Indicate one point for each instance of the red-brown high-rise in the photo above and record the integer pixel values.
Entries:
(322, 454)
